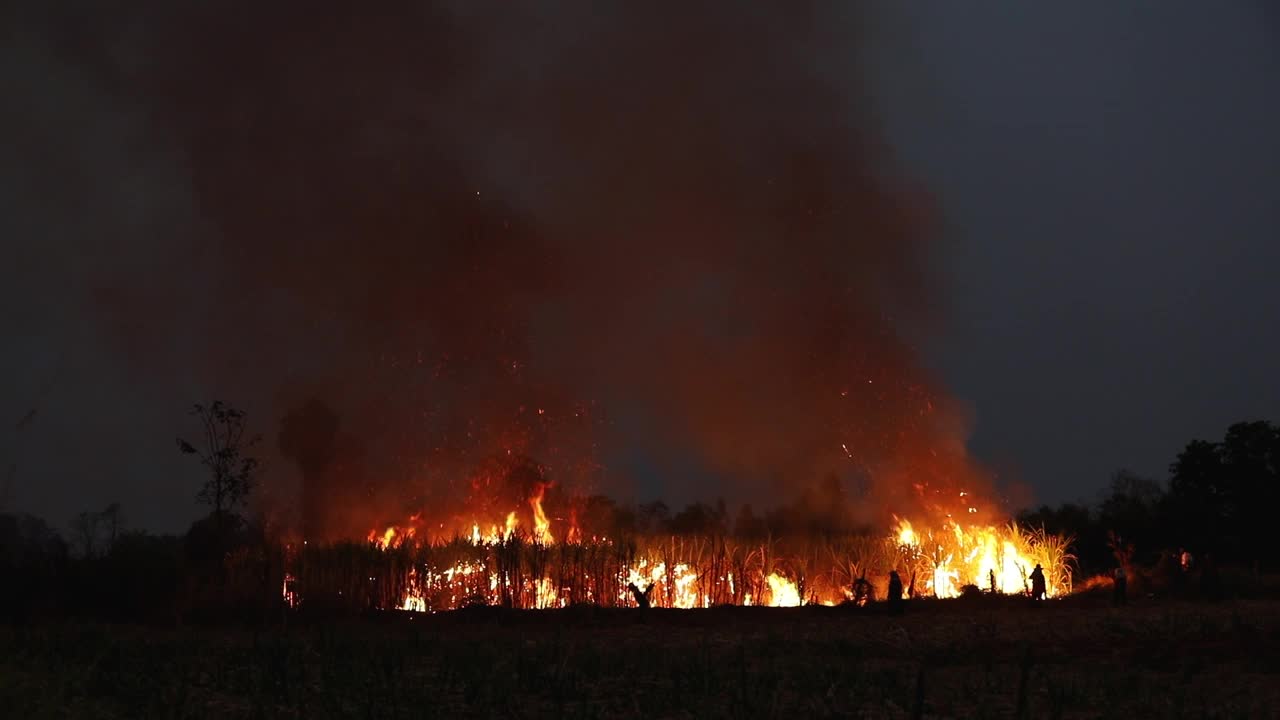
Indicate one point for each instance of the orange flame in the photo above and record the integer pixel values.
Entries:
(941, 559)
(782, 592)
(985, 557)
(541, 526)
(393, 536)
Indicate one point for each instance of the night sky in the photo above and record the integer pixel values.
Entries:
(1110, 177)
(1099, 258)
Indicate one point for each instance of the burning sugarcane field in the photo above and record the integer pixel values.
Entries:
(628, 359)
(404, 567)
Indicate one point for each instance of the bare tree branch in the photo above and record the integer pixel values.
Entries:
(223, 453)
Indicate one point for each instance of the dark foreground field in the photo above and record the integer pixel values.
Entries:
(992, 658)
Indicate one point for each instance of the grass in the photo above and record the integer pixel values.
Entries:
(992, 657)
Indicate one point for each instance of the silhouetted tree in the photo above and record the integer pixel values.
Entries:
(84, 534)
(624, 520)
(33, 559)
(523, 478)
(27, 540)
(1223, 494)
(6, 485)
(653, 518)
(308, 437)
(208, 541)
(748, 525)
(222, 451)
(1199, 503)
(1131, 508)
(1251, 460)
(1081, 522)
(830, 513)
(111, 524)
(600, 516)
(699, 519)
(94, 533)
(145, 573)
(1220, 499)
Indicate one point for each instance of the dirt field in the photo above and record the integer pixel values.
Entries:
(986, 658)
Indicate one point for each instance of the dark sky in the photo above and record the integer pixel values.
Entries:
(1110, 177)
(1107, 182)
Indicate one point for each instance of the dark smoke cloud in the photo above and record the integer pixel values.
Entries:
(630, 230)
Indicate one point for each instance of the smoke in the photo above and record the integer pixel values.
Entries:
(630, 230)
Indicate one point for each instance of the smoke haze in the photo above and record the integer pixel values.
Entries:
(652, 248)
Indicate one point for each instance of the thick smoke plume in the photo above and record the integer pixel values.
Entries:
(630, 230)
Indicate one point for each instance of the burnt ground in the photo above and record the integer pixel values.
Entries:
(989, 657)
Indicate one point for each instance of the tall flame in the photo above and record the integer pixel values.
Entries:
(782, 592)
(541, 526)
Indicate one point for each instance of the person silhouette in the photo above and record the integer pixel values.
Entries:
(895, 593)
(641, 596)
(1038, 589)
(1120, 586)
(863, 591)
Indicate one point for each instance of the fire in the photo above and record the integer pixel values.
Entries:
(988, 558)
(782, 592)
(548, 596)
(906, 535)
(290, 597)
(574, 536)
(391, 537)
(541, 526)
(674, 586)
(394, 535)
(496, 534)
(413, 599)
(495, 563)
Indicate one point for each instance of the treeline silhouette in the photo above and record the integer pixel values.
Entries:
(1219, 504)
(220, 565)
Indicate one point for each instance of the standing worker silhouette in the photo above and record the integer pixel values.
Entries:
(1038, 590)
(1120, 587)
(862, 591)
(895, 593)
